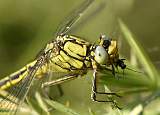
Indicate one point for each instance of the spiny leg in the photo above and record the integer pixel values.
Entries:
(46, 90)
(95, 92)
(113, 70)
(60, 90)
(57, 82)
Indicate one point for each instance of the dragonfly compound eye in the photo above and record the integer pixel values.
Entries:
(106, 43)
(101, 55)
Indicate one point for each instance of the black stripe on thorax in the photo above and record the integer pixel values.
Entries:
(73, 41)
(71, 67)
(71, 56)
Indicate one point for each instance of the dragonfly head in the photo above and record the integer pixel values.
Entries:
(101, 51)
(106, 53)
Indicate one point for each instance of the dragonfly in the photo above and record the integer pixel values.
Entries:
(68, 54)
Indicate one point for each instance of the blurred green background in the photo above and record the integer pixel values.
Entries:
(27, 25)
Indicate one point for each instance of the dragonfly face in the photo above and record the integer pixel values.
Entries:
(106, 53)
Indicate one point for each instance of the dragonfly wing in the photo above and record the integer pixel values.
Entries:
(18, 92)
(65, 26)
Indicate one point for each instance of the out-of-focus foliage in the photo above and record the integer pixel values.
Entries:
(27, 25)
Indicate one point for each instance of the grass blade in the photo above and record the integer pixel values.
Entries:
(61, 107)
(140, 53)
(41, 103)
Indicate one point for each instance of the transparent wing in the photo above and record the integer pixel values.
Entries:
(18, 92)
(65, 26)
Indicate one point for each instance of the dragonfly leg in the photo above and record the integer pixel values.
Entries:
(95, 92)
(59, 81)
(60, 90)
(113, 70)
(45, 91)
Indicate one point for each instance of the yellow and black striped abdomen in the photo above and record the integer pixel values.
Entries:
(15, 77)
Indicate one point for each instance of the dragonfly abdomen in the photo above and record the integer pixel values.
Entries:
(15, 77)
